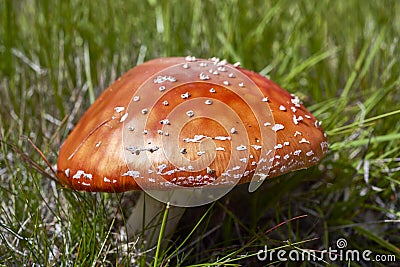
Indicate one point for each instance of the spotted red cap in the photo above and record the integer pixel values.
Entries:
(189, 122)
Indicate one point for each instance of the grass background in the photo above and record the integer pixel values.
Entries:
(341, 57)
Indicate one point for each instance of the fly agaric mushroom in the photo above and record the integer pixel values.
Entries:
(190, 126)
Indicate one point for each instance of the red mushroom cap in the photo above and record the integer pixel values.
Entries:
(189, 122)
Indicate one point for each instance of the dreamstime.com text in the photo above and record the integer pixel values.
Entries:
(340, 253)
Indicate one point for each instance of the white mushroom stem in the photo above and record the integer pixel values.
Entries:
(146, 219)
